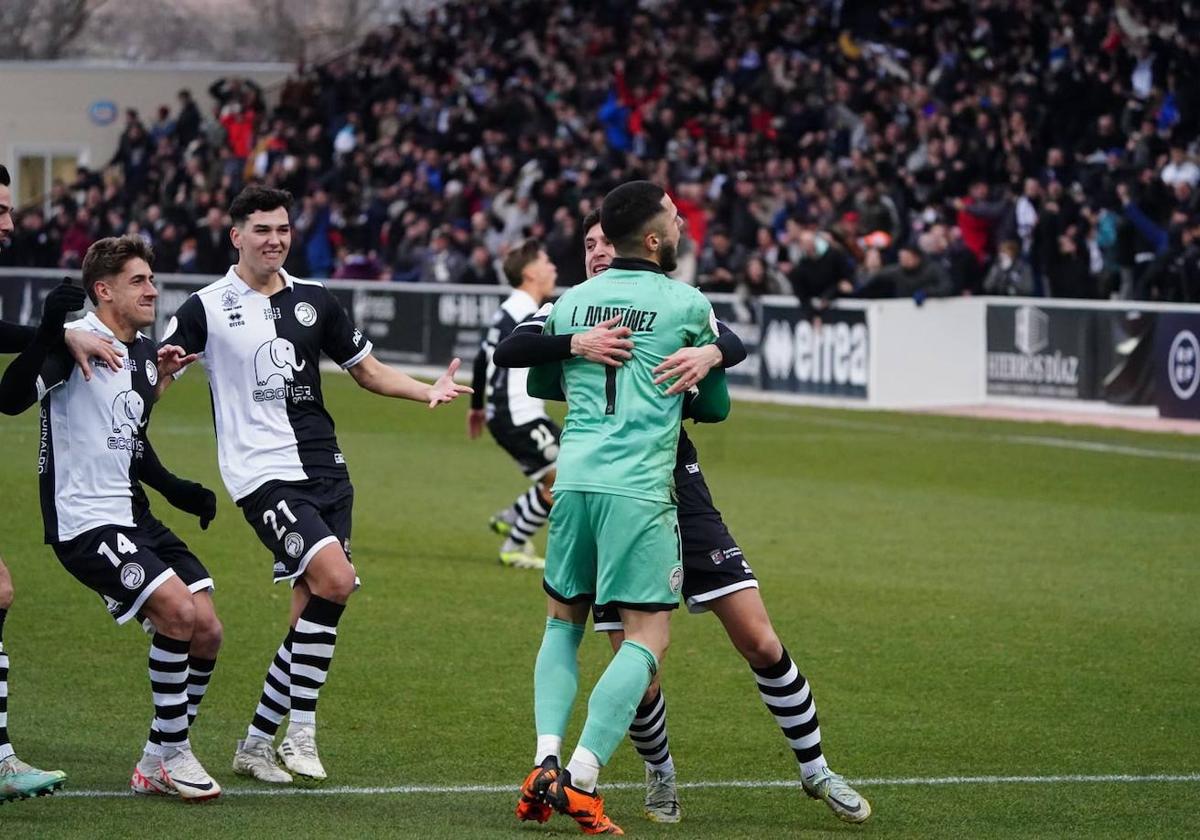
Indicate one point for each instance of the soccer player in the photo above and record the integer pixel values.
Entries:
(716, 575)
(19, 780)
(93, 452)
(517, 421)
(613, 536)
(261, 333)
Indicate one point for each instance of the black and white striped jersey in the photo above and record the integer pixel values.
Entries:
(508, 400)
(263, 359)
(91, 437)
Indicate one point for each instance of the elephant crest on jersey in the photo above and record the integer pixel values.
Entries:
(128, 411)
(276, 357)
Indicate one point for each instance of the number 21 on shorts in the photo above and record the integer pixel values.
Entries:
(270, 520)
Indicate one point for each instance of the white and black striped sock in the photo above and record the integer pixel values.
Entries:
(168, 685)
(313, 640)
(786, 693)
(649, 733)
(531, 513)
(275, 700)
(200, 672)
(5, 747)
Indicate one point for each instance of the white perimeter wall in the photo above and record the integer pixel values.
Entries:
(929, 355)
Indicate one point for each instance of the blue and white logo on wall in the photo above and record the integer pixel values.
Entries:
(103, 112)
(1183, 364)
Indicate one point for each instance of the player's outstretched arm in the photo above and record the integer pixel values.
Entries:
(18, 386)
(378, 378)
(188, 496)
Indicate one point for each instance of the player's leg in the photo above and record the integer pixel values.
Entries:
(307, 528)
(648, 734)
(318, 602)
(168, 754)
(207, 636)
(529, 514)
(638, 570)
(788, 698)
(207, 632)
(17, 779)
(570, 584)
(534, 446)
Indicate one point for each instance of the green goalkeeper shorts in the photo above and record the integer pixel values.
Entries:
(613, 550)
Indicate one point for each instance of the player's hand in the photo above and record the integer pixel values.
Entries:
(605, 343)
(85, 346)
(64, 298)
(446, 389)
(196, 499)
(172, 359)
(476, 418)
(687, 366)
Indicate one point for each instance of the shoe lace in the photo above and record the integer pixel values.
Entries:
(261, 750)
(837, 786)
(662, 789)
(185, 763)
(305, 743)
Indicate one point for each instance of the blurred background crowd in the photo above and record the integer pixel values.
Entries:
(925, 148)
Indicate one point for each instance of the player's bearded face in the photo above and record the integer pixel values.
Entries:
(668, 256)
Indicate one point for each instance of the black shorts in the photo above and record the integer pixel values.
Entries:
(124, 565)
(534, 446)
(296, 519)
(713, 565)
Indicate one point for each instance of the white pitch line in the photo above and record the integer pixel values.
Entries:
(1082, 445)
(409, 790)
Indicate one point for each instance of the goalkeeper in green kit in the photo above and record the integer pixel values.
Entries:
(613, 536)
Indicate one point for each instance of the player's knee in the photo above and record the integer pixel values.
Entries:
(761, 649)
(6, 592)
(207, 635)
(652, 690)
(335, 584)
(175, 618)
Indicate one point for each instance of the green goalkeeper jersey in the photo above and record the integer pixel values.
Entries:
(621, 433)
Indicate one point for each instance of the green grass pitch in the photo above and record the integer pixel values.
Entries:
(967, 599)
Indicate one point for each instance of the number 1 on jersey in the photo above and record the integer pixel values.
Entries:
(610, 390)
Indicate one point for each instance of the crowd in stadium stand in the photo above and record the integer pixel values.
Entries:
(827, 149)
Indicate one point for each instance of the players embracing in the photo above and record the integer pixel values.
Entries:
(716, 576)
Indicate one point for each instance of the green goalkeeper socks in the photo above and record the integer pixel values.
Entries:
(615, 699)
(556, 677)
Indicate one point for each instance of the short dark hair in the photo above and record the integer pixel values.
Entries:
(517, 260)
(107, 257)
(255, 198)
(627, 210)
(5, 180)
(591, 220)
